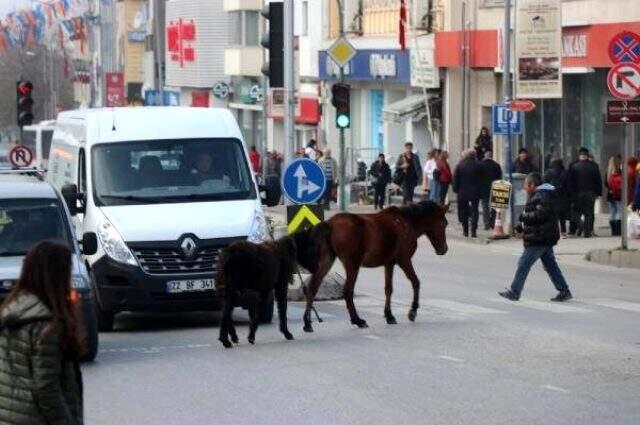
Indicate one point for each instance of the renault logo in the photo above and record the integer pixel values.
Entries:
(189, 247)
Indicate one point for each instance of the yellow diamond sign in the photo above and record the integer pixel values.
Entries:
(341, 52)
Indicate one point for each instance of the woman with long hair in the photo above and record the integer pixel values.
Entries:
(41, 343)
(614, 194)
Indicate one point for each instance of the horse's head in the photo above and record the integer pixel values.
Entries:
(429, 218)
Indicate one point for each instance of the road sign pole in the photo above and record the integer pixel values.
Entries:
(625, 188)
(343, 160)
(289, 99)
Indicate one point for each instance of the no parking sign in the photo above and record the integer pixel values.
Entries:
(20, 156)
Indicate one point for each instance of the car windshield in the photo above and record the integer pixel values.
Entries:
(25, 222)
(170, 171)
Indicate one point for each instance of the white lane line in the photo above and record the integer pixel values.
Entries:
(154, 350)
(554, 388)
(616, 304)
(373, 337)
(451, 359)
(458, 307)
(543, 306)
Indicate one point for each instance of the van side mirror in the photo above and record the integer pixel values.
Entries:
(270, 191)
(89, 243)
(70, 196)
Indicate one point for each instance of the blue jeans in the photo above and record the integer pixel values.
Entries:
(615, 210)
(434, 194)
(528, 258)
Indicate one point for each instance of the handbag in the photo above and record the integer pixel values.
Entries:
(633, 225)
(398, 177)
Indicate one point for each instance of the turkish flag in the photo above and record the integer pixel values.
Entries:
(403, 25)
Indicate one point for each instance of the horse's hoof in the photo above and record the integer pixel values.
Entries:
(226, 343)
(412, 315)
(362, 324)
(391, 320)
(288, 336)
(252, 340)
(308, 328)
(234, 339)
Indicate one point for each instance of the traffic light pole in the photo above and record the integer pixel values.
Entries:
(343, 160)
(289, 99)
(508, 93)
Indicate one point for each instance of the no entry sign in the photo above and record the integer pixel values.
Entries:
(624, 81)
(625, 48)
(20, 156)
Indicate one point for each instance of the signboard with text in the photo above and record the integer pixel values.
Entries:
(424, 72)
(623, 111)
(115, 89)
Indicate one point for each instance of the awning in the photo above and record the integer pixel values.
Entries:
(408, 108)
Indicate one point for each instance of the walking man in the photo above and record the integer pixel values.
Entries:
(409, 164)
(539, 225)
(585, 185)
(330, 167)
(467, 183)
(491, 171)
(380, 177)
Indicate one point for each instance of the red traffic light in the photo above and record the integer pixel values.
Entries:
(25, 88)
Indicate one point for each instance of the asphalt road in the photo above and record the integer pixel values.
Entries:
(470, 358)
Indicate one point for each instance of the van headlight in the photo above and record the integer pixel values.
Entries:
(259, 230)
(114, 245)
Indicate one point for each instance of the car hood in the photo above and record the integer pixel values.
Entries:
(168, 222)
(10, 267)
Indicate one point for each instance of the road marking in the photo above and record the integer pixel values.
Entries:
(451, 359)
(617, 304)
(543, 306)
(155, 349)
(373, 337)
(554, 388)
(459, 307)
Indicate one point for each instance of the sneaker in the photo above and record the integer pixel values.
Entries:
(562, 297)
(508, 294)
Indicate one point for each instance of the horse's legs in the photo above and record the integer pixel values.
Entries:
(388, 290)
(349, 285)
(232, 328)
(224, 323)
(253, 315)
(409, 271)
(316, 279)
(281, 299)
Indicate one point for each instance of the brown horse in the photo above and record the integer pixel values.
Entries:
(387, 238)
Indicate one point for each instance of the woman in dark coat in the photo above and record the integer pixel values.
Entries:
(484, 143)
(381, 176)
(41, 343)
(556, 175)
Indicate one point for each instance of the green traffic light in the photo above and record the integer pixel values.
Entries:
(343, 121)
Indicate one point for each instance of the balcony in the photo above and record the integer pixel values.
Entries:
(243, 61)
(239, 5)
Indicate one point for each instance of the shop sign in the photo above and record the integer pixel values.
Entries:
(249, 92)
(200, 99)
(367, 65)
(115, 89)
(623, 111)
(574, 45)
(500, 194)
(424, 72)
(169, 98)
(181, 36)
(539, 49)
(221, 90)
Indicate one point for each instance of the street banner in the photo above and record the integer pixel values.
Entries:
(538, 49)
(115, 89)
(424, 72)
(500, 194)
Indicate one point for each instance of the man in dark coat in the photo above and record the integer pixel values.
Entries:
(409, 165)
(539, 225)
(523, 163)
(467, 183)
(584, 184)
(491, 171)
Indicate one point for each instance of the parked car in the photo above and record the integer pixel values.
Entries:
(164, 190)
(32, 211)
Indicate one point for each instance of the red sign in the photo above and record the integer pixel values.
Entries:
(624, 81)
(20, 156)
(200, 99)
(115, 89)
(522, 105)
(623, 111)
(625, 48)
(180, 38)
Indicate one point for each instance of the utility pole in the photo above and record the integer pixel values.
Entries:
(159, 54)
(289, 87)
(507, 90)
(343, 160)
(625, 184)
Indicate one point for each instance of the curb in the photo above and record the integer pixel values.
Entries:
(615, 258)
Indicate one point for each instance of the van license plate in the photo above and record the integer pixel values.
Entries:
(192, 285)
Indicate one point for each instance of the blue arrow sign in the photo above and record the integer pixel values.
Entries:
(303, 181)
(503, 118)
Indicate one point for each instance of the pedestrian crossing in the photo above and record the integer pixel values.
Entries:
(491, 306)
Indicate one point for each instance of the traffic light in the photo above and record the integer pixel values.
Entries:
(24, 103)
(340, 98)
(274, 42)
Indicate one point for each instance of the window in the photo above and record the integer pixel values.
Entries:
(82, 172)
(252, 28)
(305, 18)
(171, 171)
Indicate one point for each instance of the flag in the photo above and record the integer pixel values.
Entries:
(402, 25)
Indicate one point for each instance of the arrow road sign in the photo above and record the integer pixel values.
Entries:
(303, 181)
(522, 105)
(624, 81)
(623, 111)
(625, 48)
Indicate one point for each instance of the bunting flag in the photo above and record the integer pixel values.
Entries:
(402, 29)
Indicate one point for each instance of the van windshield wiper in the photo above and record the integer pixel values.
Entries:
(132, 198)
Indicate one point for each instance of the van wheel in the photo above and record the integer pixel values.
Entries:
(265, 314)
(105, 319)
(91, 331)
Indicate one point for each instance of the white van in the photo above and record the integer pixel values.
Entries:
(38, 138)
(163, 190)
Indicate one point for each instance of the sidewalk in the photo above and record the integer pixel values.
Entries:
(601, 249)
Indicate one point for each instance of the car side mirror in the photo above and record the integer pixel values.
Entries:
(89, 243)
(70, 195)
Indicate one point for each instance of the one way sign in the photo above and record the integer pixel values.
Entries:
(624, 81)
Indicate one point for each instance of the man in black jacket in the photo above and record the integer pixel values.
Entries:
(585, 185)
(467, 183)
(491, 171)
(539, 225)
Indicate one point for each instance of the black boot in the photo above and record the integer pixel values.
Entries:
(618, 227)
(465, 230)
(612, 225)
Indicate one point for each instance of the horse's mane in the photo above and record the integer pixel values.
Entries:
(420, 210)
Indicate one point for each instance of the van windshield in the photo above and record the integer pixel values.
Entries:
(170, 171)
(25, 222)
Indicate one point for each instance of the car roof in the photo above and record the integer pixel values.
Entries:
(15, 189)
